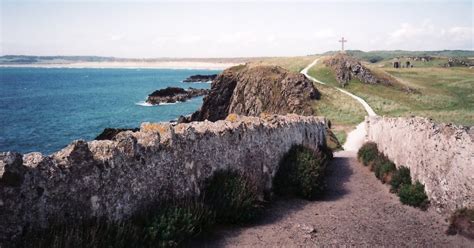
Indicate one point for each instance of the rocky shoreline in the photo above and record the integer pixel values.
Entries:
(174, 94)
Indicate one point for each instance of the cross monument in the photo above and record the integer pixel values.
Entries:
(342, 42)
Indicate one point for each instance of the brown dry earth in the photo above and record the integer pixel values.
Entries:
(358, 210)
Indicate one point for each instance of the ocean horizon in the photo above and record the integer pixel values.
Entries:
(44, 109)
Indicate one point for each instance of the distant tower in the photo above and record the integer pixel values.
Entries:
(342, 43)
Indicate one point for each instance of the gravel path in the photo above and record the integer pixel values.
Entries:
(357, 211)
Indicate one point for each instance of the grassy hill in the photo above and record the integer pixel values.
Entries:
(376, 56)
(444, 94)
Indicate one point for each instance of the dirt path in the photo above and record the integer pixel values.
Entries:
(366, 106)
(357, 211)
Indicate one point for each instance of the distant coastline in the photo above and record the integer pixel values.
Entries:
(131, 65)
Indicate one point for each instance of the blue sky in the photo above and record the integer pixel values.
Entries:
(230, 29)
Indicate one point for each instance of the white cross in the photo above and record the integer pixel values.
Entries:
(342, 41)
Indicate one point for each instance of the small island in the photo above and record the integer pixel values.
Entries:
(200, 78)
(174, 94)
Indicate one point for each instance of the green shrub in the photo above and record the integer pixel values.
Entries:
(178, 221)
(233, 197)
(400, 177)
(383, 167)
(301, 172)
(413, 195)
(367, 153)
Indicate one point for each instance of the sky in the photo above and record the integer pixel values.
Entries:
(150, 29)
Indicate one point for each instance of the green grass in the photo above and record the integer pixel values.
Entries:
(338, 107)
(341, 136)
(446, 94)
(295, 64)
(435, 62)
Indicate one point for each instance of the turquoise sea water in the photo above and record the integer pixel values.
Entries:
(44, 109)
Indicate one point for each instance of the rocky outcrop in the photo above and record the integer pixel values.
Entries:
(110, 133)
(200, 78)
(252, 89)
(115, 178)
(174, 94)
(440, 156)
(452, 62)
(347, 67)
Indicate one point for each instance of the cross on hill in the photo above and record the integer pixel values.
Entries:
(342, 42)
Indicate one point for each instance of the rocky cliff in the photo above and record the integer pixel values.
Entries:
(440, 156)
(251, 90)
(347, 67)
(115, 178)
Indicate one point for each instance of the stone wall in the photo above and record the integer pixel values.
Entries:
(115, 178)
(440, 156)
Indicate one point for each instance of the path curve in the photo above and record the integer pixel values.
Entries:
(366, 106)
(357, 210)
(356, 137)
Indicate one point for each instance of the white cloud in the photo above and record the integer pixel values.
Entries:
(461, 33)
(324, 33)
(116, 37)
(428, 36)
(189, 39)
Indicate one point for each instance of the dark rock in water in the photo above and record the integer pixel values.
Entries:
(200, 78)
(174, 94)
(251, 90)
(110, 133)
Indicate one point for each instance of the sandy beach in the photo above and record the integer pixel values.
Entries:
(134, 65)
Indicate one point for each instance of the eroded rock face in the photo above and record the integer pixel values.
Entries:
(440, 156)
(115, 178)
(251, 90)
(174, 94)
(200, 78)
(347, 67)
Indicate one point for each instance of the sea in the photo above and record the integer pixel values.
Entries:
(44, 109)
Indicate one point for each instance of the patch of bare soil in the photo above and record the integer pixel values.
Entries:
(357, 211)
